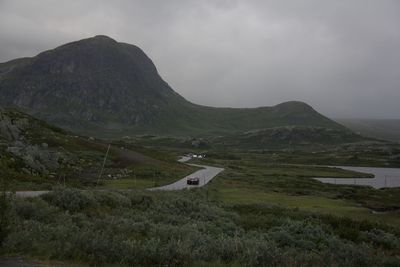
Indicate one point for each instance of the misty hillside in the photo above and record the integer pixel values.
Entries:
(39, 155)
(102, 87)
(382, 129)
(305, 137)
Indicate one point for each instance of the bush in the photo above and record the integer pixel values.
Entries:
(35, 209)
(381, 238)
(112, 199)
(177, 229)
(4, 216)
(70, 200)
(5, 201)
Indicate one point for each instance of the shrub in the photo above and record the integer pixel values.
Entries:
(111, 199)
(381, 238)
(4, 216)
(5, 201)
(177, 229)
(35, 209)
(70, 200)
(304, 235)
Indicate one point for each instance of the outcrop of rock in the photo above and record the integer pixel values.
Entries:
(15, 140)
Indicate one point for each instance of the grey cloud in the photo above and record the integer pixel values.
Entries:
(340, 56)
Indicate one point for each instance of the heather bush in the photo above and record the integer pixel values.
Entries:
(381, 238)
(69, 199)
(4, 216)
(178, 229)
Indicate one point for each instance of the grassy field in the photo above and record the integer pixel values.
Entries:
(255, 213)
(314, 204)
(249, 179)
(149, 176)
(284, 177)
(366, 153)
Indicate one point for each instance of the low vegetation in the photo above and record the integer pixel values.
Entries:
(252, 179)
(263, 210)
(189, 228)
(5, 200)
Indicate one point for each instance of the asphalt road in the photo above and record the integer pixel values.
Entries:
(30, 193)
(206, 174)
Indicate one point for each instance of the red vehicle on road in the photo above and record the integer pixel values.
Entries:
(193, 181)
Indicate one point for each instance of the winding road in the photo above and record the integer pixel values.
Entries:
(206, 174)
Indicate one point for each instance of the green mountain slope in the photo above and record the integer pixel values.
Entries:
(102, 87)
(382, 129)
(37, 155)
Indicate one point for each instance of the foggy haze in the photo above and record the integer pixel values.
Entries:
(341, 57)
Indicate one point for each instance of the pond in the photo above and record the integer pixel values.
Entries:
(384, 177)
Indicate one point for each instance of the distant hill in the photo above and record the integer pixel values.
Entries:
(305, 137)
(101, 87)
(382, 129)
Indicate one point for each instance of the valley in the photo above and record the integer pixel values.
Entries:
(92, 174)
(254, 203)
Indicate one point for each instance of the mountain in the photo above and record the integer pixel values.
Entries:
(102, 87)
(382, 129)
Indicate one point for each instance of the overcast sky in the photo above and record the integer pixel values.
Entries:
(342, 57)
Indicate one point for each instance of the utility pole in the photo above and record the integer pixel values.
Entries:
(104, 163)
(154, 177)
(134, 176)
(62, 169)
